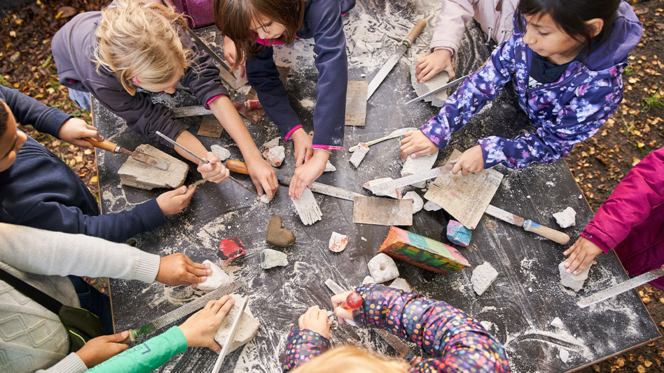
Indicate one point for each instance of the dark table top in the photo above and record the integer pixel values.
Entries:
(518, 308)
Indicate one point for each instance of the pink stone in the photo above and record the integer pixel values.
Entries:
(275, 156)
(338, 242)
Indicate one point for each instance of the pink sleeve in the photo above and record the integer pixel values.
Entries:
(630, 204)
(451, 24)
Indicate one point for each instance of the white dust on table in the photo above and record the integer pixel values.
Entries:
(306, 103)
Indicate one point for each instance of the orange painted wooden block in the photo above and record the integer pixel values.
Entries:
(422, 251)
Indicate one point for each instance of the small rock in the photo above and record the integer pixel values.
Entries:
(221, 152)
(230, 249)
(556, 322)
(430, 206)
(383, 268)
(359, 154)
(273, 258)
(338, 242)
(264, 199)
(458, 234)
(272, 143)
(483, 276)
(368, 280)
(570, 280)
(140, 175)
(564, 355)
(246, 329)
(329, 167)
(397, 193)
(275, 156)
(217, 279)
(566, 218)
(402, 284)
(486, 325)
(278, 235)
(418, 202)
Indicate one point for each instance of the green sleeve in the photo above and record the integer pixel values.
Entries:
(147, 356)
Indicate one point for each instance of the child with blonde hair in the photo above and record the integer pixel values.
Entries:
(455, 340)
(137, 44)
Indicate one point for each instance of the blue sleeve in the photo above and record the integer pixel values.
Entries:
(303, 345)
(29, 111)
(455, 340)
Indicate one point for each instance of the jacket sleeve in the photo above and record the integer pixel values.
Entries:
(147, 356)
(453, 338)
(483, 85)
(70, 364)
(593, 104)
(303, 345)
(203, 77)
(451, 24)
(630, 203)
(29, 111)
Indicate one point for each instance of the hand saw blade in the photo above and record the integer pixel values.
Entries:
(621, 288)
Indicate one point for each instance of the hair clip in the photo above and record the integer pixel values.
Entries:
(135, 80)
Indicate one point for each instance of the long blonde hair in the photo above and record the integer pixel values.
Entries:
(350, 359)
(135, 39)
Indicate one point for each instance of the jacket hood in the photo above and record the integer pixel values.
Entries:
(627, 31)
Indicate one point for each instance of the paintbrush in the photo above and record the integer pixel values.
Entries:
(203, 160)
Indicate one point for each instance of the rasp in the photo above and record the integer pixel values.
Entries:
(229, 340)
(528, 225)
(621, 288)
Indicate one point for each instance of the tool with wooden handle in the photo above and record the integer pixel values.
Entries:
(528, 225)
(392, 61)
(237, 166)
(139, 156)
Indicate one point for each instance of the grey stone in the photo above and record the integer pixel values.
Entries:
(217, 279)
(140, 175)
(570, 280)
(273, 258)
(246, 329)
(483, 276)
(437, 81)
(221, 152)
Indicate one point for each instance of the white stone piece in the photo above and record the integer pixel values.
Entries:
(329, 167)
(417, 166)
(564, 355)
(402, 284)
(273, 258)
(383, 268)
(217, 279)
(566, 218)
(140, 175)
(358, 155)
(570, 280)
(307, 208)
(368, 280)
(275, 156)
(557, 322)
(440, 79)
(486, 325)
(246, 329)
(418, 202)
(483, 276)
(338, 242)
(221, 152)
(430, 206)
(397, 193)
(264, 199)
(272, 143)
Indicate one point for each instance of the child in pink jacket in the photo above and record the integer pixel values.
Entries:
(631, 222)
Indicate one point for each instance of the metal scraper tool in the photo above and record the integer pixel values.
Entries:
(387, 187)
(139, 156)
(621, 288)
(185, 310)
(229, 339)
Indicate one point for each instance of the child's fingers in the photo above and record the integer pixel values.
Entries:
(310, 153)
(572, 248)
(456, 168)
(199, 272)
(300, 321)
(430, 74)
(424, 73)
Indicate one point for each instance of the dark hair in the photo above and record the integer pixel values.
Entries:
(4, 117)
(571, 16)
(233, 18)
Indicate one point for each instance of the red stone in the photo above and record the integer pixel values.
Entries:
(230, 249)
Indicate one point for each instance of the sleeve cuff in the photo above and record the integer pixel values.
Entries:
(70, 364)
(147, 267)
(452, 50)
(151, 214)
(327, 147)
(207, 104)
(290, 133)
(594, 239)
(55, 122)
(179, 338)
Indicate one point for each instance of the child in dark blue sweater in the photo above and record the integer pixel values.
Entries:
(38, 190)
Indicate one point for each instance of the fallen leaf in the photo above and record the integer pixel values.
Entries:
(66, 11)
(641, 369)
(94, 179)
(647, 363)
(620, 362)
(635, 161)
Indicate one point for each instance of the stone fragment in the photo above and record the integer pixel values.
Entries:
(440, 79)
(570, 280)
(383, 268)
(458, 234)
(329, 167)
(272, 143)
(483, 276)
(264, 199)
(246, 329)
(417, 166)
(430, 206)
(230, 249)
(564, 355)
(566, 218)
(338, 242)
(557, 322)
(275, 156)
(397, 193)
(418, 202)
(402, 284)
(273, 258)
(368, 280)
(217, 279)
(359, 154)
(221, 152)
(277, 235)
(140, 175)
(307, 208)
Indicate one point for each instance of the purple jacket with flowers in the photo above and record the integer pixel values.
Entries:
(456, 341)
(565, 112)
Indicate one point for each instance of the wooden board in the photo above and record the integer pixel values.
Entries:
(356, 103)
(382, 211)
(465, 197)
(210, 127)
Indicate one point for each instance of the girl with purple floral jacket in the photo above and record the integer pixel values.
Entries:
(565, 60)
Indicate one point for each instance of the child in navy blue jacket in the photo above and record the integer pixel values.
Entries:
(250, 28)
(38, 190)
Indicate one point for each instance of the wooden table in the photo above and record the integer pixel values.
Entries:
(518, 308)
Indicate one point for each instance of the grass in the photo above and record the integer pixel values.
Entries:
(652, 102)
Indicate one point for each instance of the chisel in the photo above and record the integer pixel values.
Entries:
(185, 310)
(528, 225)
(621, 288)
(139, 156)
(434, 91)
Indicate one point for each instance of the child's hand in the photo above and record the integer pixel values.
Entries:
(73, 130)
(100, 349)
(176, 200)
(431, 65)
(215, 171)
(315, 320)
(472, 160)
(416, 144)
(230, 54)
(302, 147)
(342, 313)
(200, 328)
(179, 269)
(583, 252)
(263, 176)
(308, 173)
